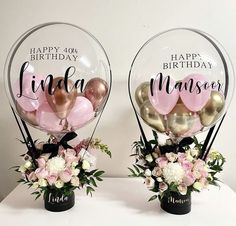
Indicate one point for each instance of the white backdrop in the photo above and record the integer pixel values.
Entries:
(121, 26)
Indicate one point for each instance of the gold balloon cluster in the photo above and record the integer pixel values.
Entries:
(180, 120)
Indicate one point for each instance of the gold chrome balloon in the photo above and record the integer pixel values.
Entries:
(152, 118)
(212, 110)
(180, 120)
(96, 90)
(61, 101)
(141, 93)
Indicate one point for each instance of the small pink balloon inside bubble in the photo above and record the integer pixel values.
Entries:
(162, 94)
(81, 113)
(28, 93)
(195, 91)
(47, 119)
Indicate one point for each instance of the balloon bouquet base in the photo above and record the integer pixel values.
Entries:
(177, 91)
(58, 79)
(174, 171)
(56, 169)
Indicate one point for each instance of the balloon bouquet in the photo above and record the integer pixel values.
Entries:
(58, 80)
(180, 83)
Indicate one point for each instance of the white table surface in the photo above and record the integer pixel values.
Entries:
(119, 202)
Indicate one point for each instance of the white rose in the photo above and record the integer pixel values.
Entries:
(198, 186)
(75, 181)
(189, 157)
(56, 164)
(42, 182)
(35, 185)
(173, 172)
(149, 158)
(171, 156)
(74, 164)
(159, 179)
(27, 164)
(22, 169)
(59, 184)
(150, 182)
(194, 152)
(75, 172)
(148, 173)
(85, 165)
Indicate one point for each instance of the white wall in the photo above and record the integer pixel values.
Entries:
(122, 26)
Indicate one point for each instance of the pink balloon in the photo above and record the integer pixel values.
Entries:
(81, 113)
(161, 100)
(47, 119)
(196, 98)
(197, 126)
(29, 100)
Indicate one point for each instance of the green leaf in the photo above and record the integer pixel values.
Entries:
(152, 198)
(89, 190)
(132, 171)
(99, 179)
(99, 173)
(93, 182)
(136, 168)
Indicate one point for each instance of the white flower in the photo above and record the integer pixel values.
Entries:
(155, 155)
(22, 169)
(159, 179)
(27, 164)
(171, 156)
(149, 158)
(75, 181)
(59, 184)
(56, 164)
(75, 171)
(35, 185)
(198, 186)
(189, 157)
(194, 152)
(85, 155)
(150, 182)
(42, 182)
(85, 165)
(74, 164)
(173, 172)
(148, 173)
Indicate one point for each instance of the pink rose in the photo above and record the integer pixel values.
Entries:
(32, 176)
(182, 188)
(52, 178)
(157, 172)
(187, 165)
(163, 186)
(181, 157)
(204, 182)
(41, 162)
(189, 179)
(162, 161)
(70, 156)
(65, 175)
(41, 173)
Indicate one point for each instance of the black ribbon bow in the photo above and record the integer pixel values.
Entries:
(176, 147)
(53, 148)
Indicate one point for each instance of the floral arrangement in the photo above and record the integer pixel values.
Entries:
(169, 168)
(63, 170)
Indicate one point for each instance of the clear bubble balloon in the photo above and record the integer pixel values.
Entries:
(49, 72)
(190, 82)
